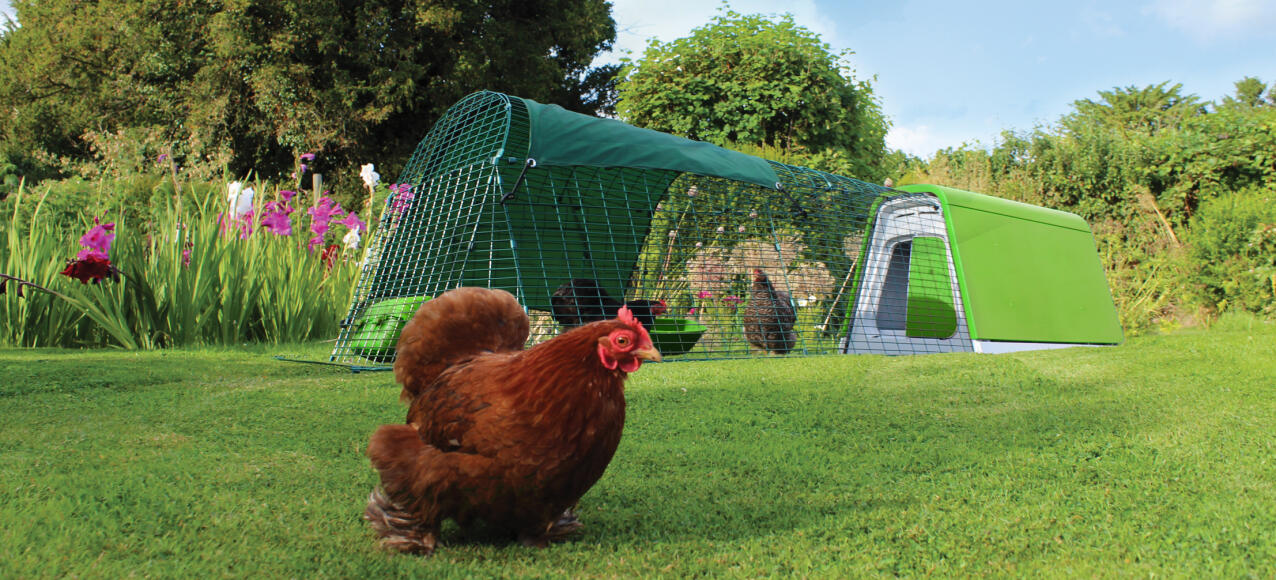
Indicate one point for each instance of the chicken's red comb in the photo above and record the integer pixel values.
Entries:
(626, 316)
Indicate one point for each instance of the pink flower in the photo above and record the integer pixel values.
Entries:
(245, 225)
(287, 195)
(402, 197)
(325, 211)
(92, 262)
(320, 216)
(186, 258)
(733, 299)
(353, 222)
(307, 156)
(99, 237)
(704, 294)
(691, 311)
(277, 222)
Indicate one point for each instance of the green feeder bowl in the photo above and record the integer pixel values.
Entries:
(376, 333)
(673, 336)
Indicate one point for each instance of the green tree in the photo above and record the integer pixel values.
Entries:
(751, 80)
(261, 81)
(1249, 93)
(1149, 109)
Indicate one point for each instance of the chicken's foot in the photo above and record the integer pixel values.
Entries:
(557, 531)
(399, 530)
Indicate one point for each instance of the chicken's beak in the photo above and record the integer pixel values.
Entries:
(647, 353)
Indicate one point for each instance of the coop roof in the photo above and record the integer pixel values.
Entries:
(1027, 273)
(562, 138)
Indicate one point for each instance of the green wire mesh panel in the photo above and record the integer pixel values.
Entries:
(716, 268)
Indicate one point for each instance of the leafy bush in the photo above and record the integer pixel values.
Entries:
(1233, 249)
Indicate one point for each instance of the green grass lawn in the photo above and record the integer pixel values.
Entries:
(1154, 458)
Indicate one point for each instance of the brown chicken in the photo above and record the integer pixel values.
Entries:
(496, 433)
(769, 317)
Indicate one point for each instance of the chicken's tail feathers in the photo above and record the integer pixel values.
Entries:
(455, 326)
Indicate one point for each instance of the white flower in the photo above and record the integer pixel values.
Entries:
(802, 302)
(721, 229)
(370, 177)
(740, 229)
(351, 240)
(240, 198)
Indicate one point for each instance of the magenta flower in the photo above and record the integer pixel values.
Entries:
(186, 258)
(326, 211)
(402, 197)
(353, 222)
(691, 311)
(307, 156)
(733, 299)
(245, 225)
(91, 253)
(99, 237)
(704, 294)
(316, 241)
(287, 195)
(277, 222)
(92, 263)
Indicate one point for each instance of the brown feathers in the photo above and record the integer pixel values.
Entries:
(495, 433)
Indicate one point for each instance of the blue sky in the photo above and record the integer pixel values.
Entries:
(949, 73)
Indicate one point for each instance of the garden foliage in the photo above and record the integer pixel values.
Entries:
(204, 274)
(251, 85)
(756, 81)
(1181, 194)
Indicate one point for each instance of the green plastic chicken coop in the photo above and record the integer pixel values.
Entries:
(725, 255)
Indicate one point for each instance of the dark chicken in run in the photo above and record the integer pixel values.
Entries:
(769, 317)
(582, 300)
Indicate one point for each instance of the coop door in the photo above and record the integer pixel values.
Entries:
(930, 297)
(917, 291)
(909, 301)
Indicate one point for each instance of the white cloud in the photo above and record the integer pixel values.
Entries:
(638, 21)
(1206, 20)
(924, 140)
(918, 140)
(6, 12)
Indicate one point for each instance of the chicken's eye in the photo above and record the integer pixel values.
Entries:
(622, 340)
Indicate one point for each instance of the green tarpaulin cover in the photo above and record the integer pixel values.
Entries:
(563, 138)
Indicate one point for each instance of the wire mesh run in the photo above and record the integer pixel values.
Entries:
(715, 268)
